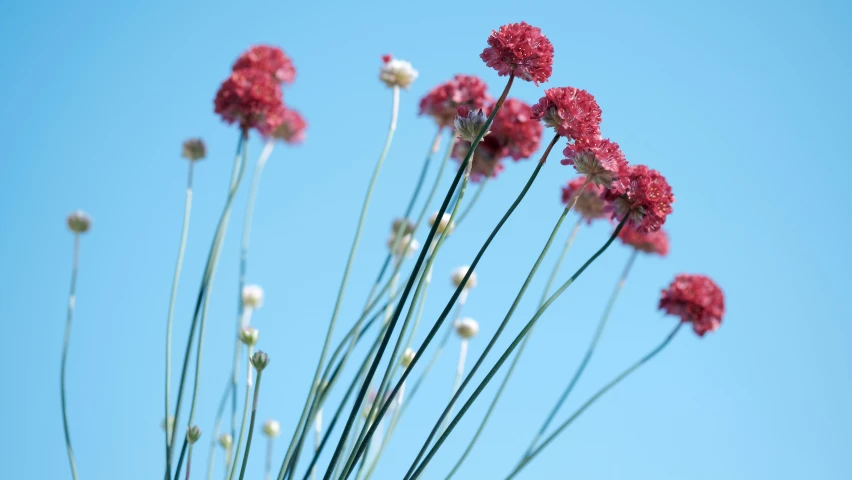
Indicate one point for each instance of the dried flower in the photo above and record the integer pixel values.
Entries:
(194, 149)
(457, 276)
(407, 357)
(572, 112)
(591, 204)
(442, 102)
(271, 428)
(269, 59)
(444, 225)
(402, 242)
(466, 327)
(79, 222)
(648, 242)
(646, 201)
(248, 335)
(600, 160)
(292, 127)
(226, 440)
(252, 296)
(695, 299)
(252, 99)
(406, 226)
(469, 122)
(521, 50)
(397, 73)
(193, 433)
(260, 360)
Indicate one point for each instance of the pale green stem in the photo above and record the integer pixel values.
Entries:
(214, 440)
(251, 424)
(238, 441)
(317, 439)
(593, 399)
(188, 461)
(268, 471)
(71, 302)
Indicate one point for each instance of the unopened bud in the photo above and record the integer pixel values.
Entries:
(79, 222)
(193, 433)
(271, 428)
(260, 360)
(407, 357)
(469, 122)
(252, 296)
(458, 276)
(444, 225)
(467, 328)
(226, 440)
(248, 335)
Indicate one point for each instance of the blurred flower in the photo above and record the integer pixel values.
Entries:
(402, 223)
(193, 433)
(648, 242)
(269, 59)
(292, 127)
(407, 357)
(591, 204)
(194, 149)
(516, 130)
(168, 425)
(695, 299)
(572, 112)
(79, 222)
(469, 122)
(444, 225)
(442, 102)
(248, 335)
(401, 244)
(521, 50)
(226, 440)
(457, 276)
(251, 98)
(646, 201)
(600, 160)
(466, 327)
(252, 296)
(271, 428)
(397, 73)
(260, 360)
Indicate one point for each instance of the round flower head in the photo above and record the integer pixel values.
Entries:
(591, 204)
(521, 50)
(600, 160)
(696, 299)
(79, 222)
(572, 112)
(193, 433)
(259, 360)
(271, 428)
(397, 73)
(486, 161)
(469, 122)
(407, 357)
(248, 335)
(194, 149)
(226, 440)
(251, 98)
(516, 130)
(458, 274)
(167, 425)
(650, 242)
(646, 201)
(442, 102)
(402, 243)
(269, 59)
(444, 225)
(292, 127)
(402, 225)
(252, 296)
(466, 327)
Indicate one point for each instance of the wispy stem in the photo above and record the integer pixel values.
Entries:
(71, 302)
(251, 424)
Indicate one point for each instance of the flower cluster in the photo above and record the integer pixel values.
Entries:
(572, 112)
(590, 203)
(648, 242)
(600, 160)
(292, 128)
(397, 73)
(443, 101)
(521, 50)
(646, 200)
(696, 299)
(268, 59)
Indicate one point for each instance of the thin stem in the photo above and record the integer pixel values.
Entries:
(215, 437)
(315, 384)
(317, 439)
(593, 399)
(268, 470)
(517, 357)
(182, 455)
(175, 281)
(238, 441)
(71, 301)
(188, 461)
(589, 352)
(251, 424)
(509, 351)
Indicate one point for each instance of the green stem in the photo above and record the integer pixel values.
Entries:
(182, 455)
(71, 302)
(188, 461)
(251, 425)
(523, 345)
(315, 384)
(238, 441)
(589, 352)
(508, 352)
(215, 437)
(268, 470)
(593, 399)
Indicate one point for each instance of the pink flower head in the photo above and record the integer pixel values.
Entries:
(387, 58)
(269, 59)
(292, 128)
(515, 129)
(487, 159)
(463, 90)
(250, 98)
(648, 242)
(572, 112)
(599, 159)
(646, 201)
(521, 50)
(696, 299)
(590, 205)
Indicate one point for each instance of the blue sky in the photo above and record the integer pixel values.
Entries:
(742, 105)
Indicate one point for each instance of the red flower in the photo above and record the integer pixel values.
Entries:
(572, 112)
(591, 204)
(600, 160)
(269, 59)
(463, 90)
(695, 299)
(648, 242)
(252, 99)
(515, 129)
(646, 201)
(292, 128)
(487, 159)
(521, 50)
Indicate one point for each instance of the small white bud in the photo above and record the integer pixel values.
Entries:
(407, 357)
(271, 428)
(401, 243)
(248, 335)
(458, 275)
(226, 440)
(397, 73)
(193, 433)
(79, 222)
(168, 425)
(444, 225)
(466, 327)
(252, 296)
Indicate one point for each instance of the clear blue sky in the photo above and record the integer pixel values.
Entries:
(742, 105)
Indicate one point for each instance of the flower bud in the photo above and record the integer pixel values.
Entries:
(404, 224)
(397, 73)
(248, 335)
(401, 243)
(271, 428)
(260, 360)
(193, 433)
(444, 225)
(469, 122)
(407, 357)
(194, 149)
(226, 440)
(466, 328)
(79, 222)
(252, 296)
(168, 425)
(458, 275)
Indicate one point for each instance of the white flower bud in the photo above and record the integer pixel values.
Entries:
(401, 243)
(407, 357)
(397, 73)
(444, 225)
(469, 122)
(168, 425)
(458, 275)
(193, 433)
(226, 440)
(466, 327)
(79, 222)
(252, 296)
(271, 428)
(248, 335)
